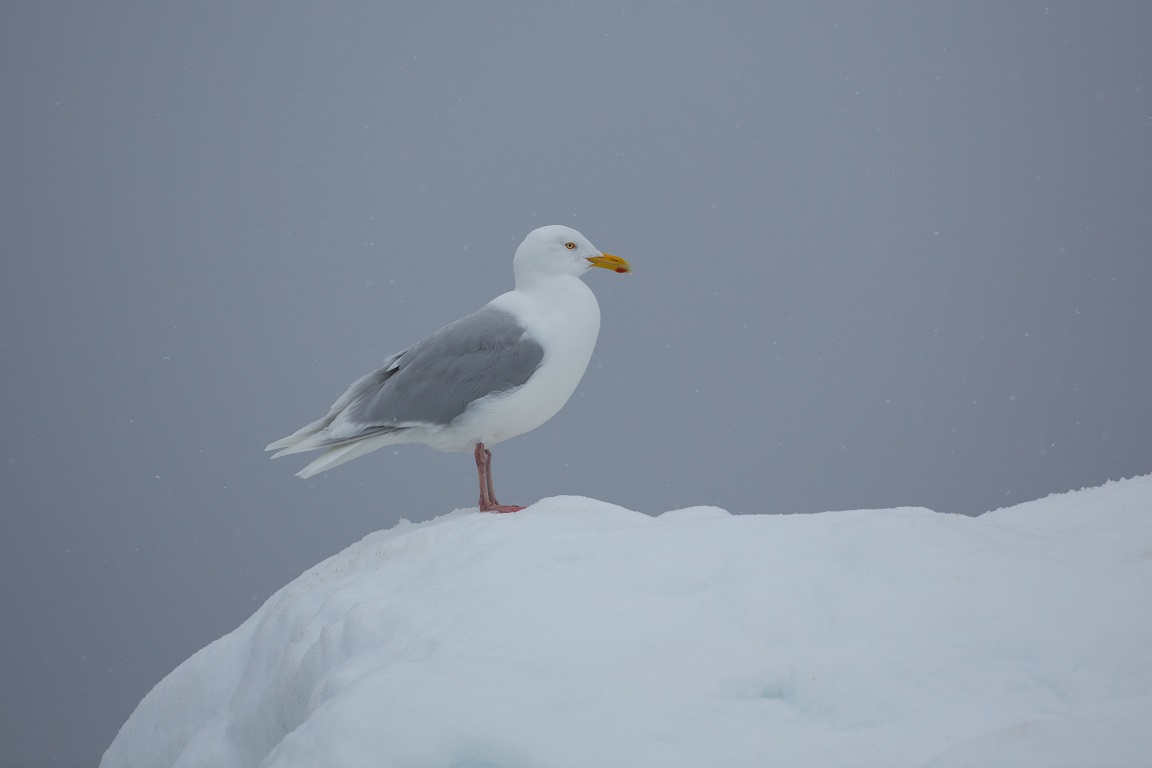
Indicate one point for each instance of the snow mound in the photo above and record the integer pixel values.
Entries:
(578, 633)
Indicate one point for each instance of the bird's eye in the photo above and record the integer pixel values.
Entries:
(570, 246)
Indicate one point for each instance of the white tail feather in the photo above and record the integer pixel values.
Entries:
(336, 456)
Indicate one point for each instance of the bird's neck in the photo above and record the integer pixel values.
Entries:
(530, 281)
(556, 294)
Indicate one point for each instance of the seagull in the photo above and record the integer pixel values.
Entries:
(497, 373)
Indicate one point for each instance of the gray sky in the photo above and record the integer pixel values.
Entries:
(885, 254)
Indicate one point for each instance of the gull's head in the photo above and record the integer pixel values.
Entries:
(557, 250)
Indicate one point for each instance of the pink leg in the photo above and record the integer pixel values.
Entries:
(488, 501)
(488, 475)
(482, 474)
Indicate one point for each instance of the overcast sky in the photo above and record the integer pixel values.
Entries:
(885, 255)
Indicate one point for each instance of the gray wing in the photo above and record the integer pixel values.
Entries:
(434, 381)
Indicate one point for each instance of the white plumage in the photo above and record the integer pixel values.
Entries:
(497, 373)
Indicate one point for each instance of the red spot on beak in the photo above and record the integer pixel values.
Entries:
(621, 270)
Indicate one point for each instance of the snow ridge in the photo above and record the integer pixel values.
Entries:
(580, 633)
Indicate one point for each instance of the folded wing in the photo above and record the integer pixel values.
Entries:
(429, 384)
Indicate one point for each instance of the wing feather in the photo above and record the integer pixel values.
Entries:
(429, 384)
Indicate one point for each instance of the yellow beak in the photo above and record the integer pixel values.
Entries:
(608, 261)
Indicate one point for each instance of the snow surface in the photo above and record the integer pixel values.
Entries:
(578, 633)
